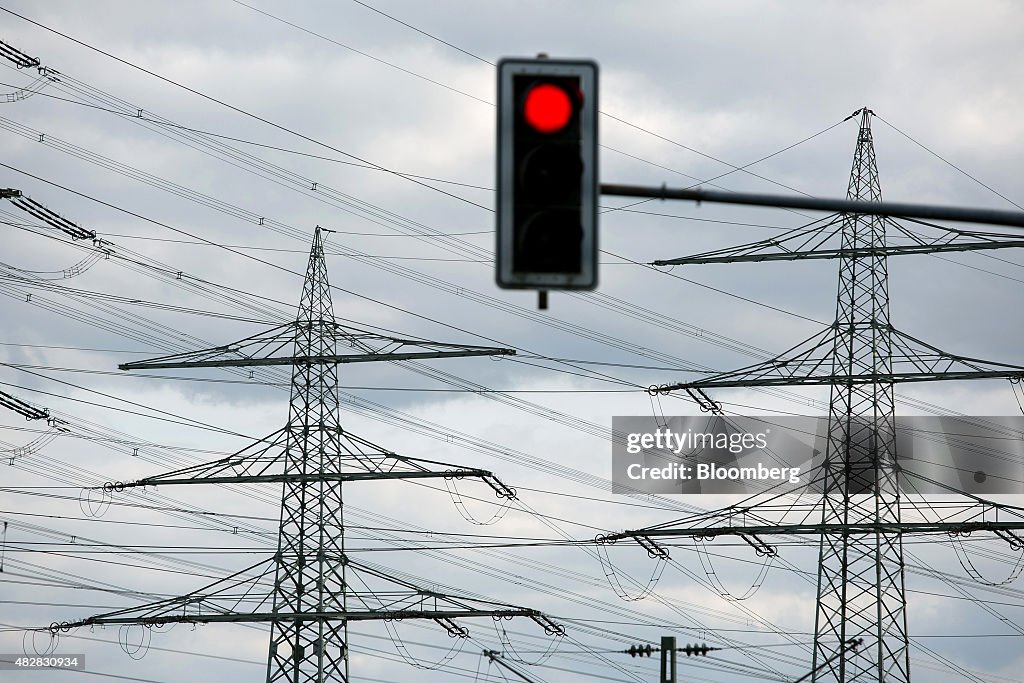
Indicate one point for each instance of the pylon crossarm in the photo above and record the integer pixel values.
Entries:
(551, 627)
(952, 239)
(962, 520)
(926, 358)
(52, 219)
(19, 58)
(315, 360)
(303, 478)
(982, 507)
(500, 488)
(845, 380)
(455, 630)
(903, 528)
(695, 524)
(210, 600)
(979, 509)
(263, 462)
(809, 237)
(809, 363)
(809, 356)
(825, 254)
(292, 617)
(274, 347)
(393, 347)
(257, 459)
(705, 402)
(275, 340)
(382, 595)
(808, 242)
(1015, 541)
(760, 547)
(740, 514)
(653, 548)
(402, 599)
(26, 410)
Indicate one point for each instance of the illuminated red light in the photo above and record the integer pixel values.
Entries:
(547, 108)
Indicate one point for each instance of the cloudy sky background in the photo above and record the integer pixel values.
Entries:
(695, 90)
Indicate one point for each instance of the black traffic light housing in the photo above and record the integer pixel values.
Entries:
(547, 180)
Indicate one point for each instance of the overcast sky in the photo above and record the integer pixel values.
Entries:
(315, 92)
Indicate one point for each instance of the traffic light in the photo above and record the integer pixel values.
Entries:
(547, 185)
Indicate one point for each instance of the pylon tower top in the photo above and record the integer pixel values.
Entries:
(314, 337)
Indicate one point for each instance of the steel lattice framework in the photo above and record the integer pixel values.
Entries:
(311, 538)
(860, 588)
(860, 577)
(317, 589)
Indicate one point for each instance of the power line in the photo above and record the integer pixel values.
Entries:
(950, 163)
(222, 136)
(240, 110)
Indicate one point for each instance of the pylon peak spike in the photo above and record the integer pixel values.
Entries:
(315, 304)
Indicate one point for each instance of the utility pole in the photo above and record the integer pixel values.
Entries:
(668, 659)
(668, 653)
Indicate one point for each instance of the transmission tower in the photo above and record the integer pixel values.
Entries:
(860, 578)
(860, 586)
(317, 588)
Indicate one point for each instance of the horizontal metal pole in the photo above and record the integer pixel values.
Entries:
(300, 360)
(897, 209)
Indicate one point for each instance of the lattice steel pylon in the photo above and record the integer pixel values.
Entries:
(317, 588)
(312, 512)
(861, 356)
(861, 577)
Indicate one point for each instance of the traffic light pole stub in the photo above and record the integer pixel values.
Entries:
(547, 174)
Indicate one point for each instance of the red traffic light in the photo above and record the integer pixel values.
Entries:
(547, 108)
(547, 180)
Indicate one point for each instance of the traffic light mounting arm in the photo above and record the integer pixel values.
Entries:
(894, 209)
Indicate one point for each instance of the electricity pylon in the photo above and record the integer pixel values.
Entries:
(860, 587)
(317, 588)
